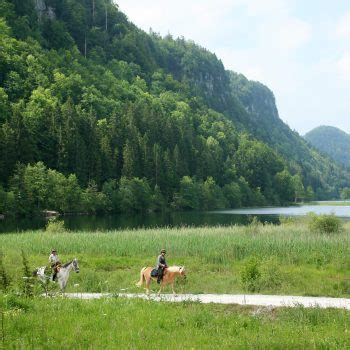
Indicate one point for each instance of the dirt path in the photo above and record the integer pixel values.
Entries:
(258, 300)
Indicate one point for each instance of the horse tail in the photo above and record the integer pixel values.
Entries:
(142, 277)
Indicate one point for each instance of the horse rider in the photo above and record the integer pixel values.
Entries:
(161, 265)
(55, 263)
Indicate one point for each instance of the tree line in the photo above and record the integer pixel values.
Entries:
(96, 116)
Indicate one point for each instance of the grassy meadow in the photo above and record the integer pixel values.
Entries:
(285, 259)
(136, 324)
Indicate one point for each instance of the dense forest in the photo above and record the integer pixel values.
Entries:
(96, 115)
(331, 141)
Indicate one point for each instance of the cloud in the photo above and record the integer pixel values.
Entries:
(285, 34)
(302, 56)
(343, 27)
(196, 20)
(266, 8)
(343, 64)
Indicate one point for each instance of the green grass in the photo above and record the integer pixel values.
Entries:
(291, 259)
(135, 324)
(332, 203)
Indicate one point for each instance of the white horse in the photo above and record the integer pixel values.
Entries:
(62, 275)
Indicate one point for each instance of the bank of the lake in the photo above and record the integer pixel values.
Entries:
(177, 218)
(95, 223)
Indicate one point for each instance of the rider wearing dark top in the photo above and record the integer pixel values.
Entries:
(161, 265)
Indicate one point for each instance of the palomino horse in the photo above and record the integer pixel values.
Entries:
(62, 274)
(169, 276)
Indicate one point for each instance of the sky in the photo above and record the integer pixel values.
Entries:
(300, 49)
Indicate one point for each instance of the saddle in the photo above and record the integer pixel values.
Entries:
(154, 273)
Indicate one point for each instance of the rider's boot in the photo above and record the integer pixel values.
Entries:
(160, 275)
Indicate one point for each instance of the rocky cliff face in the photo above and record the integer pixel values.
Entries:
(43, 10)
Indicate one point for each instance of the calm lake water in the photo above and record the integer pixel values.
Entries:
(176, 219)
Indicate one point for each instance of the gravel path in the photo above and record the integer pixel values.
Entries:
(259, 300)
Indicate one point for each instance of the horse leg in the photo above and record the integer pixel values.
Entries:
(62, 287)
(148, 282)
(172, 287)
(160, 289)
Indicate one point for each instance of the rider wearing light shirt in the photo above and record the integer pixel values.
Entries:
(55, 263)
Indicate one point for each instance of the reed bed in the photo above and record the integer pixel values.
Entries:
(304, 263)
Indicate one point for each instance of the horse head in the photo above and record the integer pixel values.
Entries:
(75, 265)
(182, 271)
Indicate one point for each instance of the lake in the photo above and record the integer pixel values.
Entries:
(319, 208)
(177, 219)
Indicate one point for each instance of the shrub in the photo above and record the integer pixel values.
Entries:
(254, 226)
(27, 277)
(55, 226)
(271, 275)
(324, 223)
(4, 277)
(250, 275)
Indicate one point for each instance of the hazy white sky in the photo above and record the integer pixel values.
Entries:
(299, 48)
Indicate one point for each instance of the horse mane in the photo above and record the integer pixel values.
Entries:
(66, 264)
(174, 268)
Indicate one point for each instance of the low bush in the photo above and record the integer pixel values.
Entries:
(324, 223)
(4, 277)
(271, 275)
(250, 275)
(55, 226)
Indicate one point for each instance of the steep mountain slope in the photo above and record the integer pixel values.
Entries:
(331, 141)
(144, 120)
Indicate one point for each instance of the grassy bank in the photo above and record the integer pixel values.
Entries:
(332, 203)
(136, 324)
(289, 259)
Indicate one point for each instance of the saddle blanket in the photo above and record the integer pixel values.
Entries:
(154, 273)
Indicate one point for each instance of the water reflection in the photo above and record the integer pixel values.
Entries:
(176, 219)
(150, 220)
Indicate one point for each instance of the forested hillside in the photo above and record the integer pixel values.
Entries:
(331, 141)
(97, 115)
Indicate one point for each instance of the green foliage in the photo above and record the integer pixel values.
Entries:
(211, 195)
(254, 226)
(4, 277)
(93, 201)
(250, 275)
(331, 141)
(182, 325)
(134, 194)
(324, 223)
(27, 284)
(94, 111)
(298, 187)
(55, 225)
(285, 186)
(309, 194)
(272, 276)
(345, 193)
(3, 200)
(188, 196)
(305, 264)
